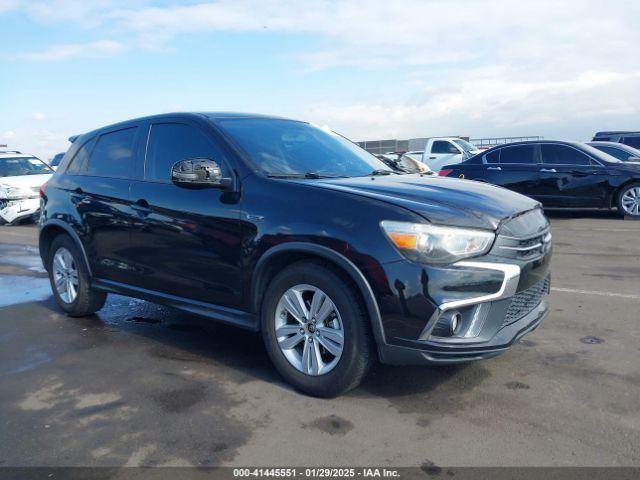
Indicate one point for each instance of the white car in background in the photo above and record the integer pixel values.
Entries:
(21, 177)
(440, 151)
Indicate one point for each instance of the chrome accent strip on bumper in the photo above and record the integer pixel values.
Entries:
(507, 289)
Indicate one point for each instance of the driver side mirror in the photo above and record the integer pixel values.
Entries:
(198, 173)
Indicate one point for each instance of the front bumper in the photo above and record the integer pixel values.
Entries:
(496, 301)
(434, 352)
(13, 210)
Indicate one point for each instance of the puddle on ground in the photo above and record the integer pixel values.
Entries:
(25, 256)
(23, 278)
(21, 288)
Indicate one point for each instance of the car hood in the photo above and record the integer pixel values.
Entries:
(441, 200)
(26, 181)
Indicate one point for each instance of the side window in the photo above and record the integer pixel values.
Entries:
(615, 152)
(441, 146)
(563, 155)
(493, 157)
(79, 160)
(113, 154)
(518, 154)
(172, 142)
(632, 141)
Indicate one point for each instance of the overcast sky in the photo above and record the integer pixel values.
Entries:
(368, 69)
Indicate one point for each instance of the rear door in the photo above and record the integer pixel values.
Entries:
(514, 167)
(571, 178)
(187, 242)
(100, 177)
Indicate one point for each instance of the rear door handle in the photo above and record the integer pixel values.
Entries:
(142, 207)
(80, 197)
(548, 170)
(494, 168)
(432, 158)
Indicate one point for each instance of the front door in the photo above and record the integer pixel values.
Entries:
(570, 178)
(187, 241)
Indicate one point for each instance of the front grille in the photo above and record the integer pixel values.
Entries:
(525, 248)
(524, 302)
(524, 237)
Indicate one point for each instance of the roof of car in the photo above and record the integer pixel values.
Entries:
(617, 132)
(606, 144)
(533, 142)
(212, 116)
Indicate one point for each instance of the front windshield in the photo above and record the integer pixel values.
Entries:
(18, 166)
(464, 145)
(288, 147)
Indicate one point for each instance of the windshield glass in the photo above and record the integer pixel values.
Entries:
(288, 147)
(466, 146)
(18, 166)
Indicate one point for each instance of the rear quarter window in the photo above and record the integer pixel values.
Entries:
(79, 160)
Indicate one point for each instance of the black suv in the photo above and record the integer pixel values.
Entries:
(279, 226)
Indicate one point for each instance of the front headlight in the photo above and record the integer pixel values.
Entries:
(426, 243)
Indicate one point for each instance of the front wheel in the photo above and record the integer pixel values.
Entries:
(315, 330)
(629, 200)
(70, 280)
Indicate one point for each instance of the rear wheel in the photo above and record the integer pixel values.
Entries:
(70, 280)
(315, 330)
(629, 200)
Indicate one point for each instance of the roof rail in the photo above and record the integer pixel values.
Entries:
(10, 151)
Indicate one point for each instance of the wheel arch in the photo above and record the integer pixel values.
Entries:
(278, 257)
(51, 230)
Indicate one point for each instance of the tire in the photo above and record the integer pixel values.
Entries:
(346, 370)
(86, 300)
(627, 194)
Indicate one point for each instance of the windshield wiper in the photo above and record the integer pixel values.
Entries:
(382, 172)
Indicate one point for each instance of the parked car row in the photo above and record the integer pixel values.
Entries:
(560, 174)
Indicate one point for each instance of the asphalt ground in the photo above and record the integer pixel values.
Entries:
(142, 384)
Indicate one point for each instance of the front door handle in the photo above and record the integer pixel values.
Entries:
(494, 168)
(432, 158)
(548, 170)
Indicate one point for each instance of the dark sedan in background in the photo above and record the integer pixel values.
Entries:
(558, 174)
(621, 151)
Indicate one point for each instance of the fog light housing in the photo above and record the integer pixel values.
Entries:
(455, 322)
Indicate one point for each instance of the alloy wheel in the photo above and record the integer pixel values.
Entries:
(65, 275)
(309, 330)
(631, 201)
